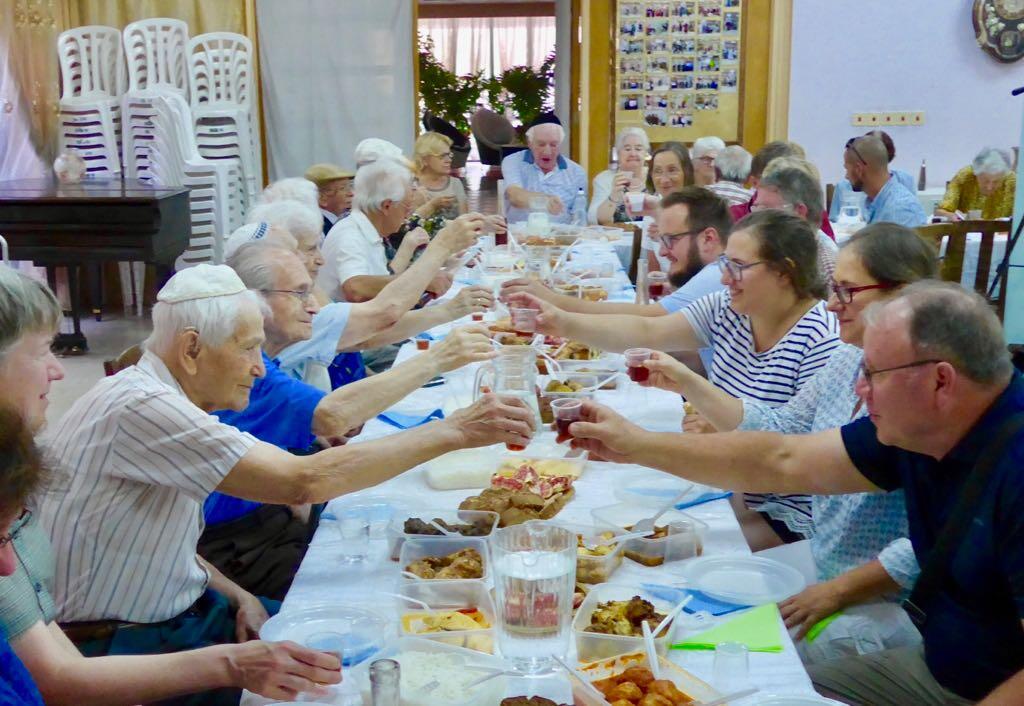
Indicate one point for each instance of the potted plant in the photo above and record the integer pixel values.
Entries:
(449, 97)
(523, 90)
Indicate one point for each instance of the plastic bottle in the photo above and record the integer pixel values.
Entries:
(385, 678)
(579, 208)
(922, 177)
(641, 278)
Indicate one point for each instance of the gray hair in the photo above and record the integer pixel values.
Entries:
(991, 161)
(292, 189)
(295, 217)
(950, 323)
(797, 184)
(380, 181)
(561, 132)
(214, 319)
(734, 163)
(703, 145)
(26, 306)
(257, 264)
(637, 132)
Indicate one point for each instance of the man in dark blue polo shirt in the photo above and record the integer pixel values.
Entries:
(938, 384)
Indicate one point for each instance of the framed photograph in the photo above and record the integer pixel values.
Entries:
(657, 10)
(630, 9)
(681, 120)
(655, 117)
(631, 46)
(709, 26)
(658, 82)
(681, 101)
(730, 51)
(657, 28)
(682, 81)
(686, 25)
(707, 82)
(730, 80)
(631, 101)
(710, 8)
(656, 45)
(681, 45)
(731, 23)
(631, 28)
(657, 64)
(632, 83)
(732, 3)
(631, 65)
(706, 101)
(707, 62)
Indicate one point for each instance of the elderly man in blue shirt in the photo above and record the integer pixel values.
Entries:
(541, 172)
(867, 168)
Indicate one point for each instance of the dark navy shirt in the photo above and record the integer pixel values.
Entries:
(16, 685)
(973, 636)
(280, 412)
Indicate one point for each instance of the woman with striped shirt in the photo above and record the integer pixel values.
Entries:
(769, 329)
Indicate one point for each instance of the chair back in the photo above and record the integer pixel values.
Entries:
(220, 71)
(830, 192)
(951, 268)
(636, 249)
(127, 359)
(491, 128)
(91, 63)
(155, 51)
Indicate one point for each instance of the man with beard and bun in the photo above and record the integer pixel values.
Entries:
(694, 225)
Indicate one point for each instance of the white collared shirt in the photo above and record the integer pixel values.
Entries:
(134, 460)
(331, 216)
(353, 247)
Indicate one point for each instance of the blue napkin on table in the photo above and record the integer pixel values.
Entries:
(704, 498)
(408, 421)
(700, 602)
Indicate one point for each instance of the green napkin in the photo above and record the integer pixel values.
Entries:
(758, 629)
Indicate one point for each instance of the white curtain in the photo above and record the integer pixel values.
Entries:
(490, 44)
(334, 73)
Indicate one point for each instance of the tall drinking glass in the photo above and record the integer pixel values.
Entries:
(534, 568)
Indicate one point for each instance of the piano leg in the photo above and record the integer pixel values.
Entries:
(95, 272)
(69, 343)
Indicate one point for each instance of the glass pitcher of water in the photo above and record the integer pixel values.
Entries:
(534, 567)
(512, 373)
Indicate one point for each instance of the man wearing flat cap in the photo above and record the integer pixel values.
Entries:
(138, 454)
(542, 172)
(334, 187)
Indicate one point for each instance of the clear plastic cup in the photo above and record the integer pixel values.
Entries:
(354, 527)
(524, 321)
(635, 200)
(657, 284)
(566, 410)
(731, 670)
(635, 359)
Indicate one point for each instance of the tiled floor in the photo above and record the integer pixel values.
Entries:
(116, 332)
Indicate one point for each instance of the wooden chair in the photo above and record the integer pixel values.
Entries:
(951, 267)
(638, 238)
(128, 358)
(830, 192)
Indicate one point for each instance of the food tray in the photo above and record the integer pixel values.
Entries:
(690, 685)
(648, 552)
(396, 533)
(451, 595)
(593, 646)
(546, 464)
(422, 547)
(594, 569)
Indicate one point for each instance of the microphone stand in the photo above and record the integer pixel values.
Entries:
(1002, 270)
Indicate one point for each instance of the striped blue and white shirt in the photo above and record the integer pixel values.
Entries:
(772, 376)
(134, 460)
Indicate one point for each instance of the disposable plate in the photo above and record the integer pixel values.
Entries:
(747, 580)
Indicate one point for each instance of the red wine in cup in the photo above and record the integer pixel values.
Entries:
(656, 291)
(562, 425)
(515, 447)
(638, 373)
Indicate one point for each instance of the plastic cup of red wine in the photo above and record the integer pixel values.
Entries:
(635, 359)
(478, 316)
(656, 285)
(524, 321)
(566, 410)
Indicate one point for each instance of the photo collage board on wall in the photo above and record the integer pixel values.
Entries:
(678, 67)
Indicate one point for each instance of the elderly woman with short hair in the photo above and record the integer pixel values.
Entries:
(437, 192)
(610, 187)
(704, 153)
(29, 316)
(987, 185)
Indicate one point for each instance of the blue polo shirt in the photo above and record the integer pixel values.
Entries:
(973, 637)
(895, 204)
(844, 189)
(280, 412)
(16, 685)
(564, 181)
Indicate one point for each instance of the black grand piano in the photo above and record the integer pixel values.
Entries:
(69, 225)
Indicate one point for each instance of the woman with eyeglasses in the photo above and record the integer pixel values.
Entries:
(29, 317)
(859, 545)
(437, 193)
(769, 329)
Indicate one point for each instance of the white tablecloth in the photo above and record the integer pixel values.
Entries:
(322, 579)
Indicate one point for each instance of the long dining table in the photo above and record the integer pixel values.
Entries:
(323, 579)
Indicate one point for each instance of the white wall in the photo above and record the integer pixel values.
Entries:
(853, 56)
(334, 73)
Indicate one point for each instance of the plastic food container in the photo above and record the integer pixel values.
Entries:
(490, 692)
(593, 646)
(594, 569)
(396, 534)
(422, 547)
(460, 470)
(546, 396)
(687, 683)
(364, 632)
(551, 465)
(447, 596)
(649, 552)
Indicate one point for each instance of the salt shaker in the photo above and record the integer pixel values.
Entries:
(385, 677)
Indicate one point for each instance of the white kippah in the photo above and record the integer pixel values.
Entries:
(201, 282)
(245, 234)
(373, 148)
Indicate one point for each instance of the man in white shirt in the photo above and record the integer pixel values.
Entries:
(356, 264)
(137, 455)
(334, 186)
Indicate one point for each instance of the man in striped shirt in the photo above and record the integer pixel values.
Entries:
(138, 454)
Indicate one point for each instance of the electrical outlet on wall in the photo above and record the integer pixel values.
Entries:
(916, 118)
(858, 119)
(874, 119)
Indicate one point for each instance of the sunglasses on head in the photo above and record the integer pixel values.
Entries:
(849, 146)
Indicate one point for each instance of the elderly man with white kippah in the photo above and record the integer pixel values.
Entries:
(139, 453)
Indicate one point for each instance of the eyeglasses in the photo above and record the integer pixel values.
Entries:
(303, 295)
(22, 520)
(669, 240)
(868, 374)
(707, 159)
(735, 269)
(845, 294)
(445, 155)
(849, 146)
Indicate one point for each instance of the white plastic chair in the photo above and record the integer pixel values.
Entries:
(155, 52)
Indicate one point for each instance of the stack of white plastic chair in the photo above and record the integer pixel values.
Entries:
(155, 53)
(220, 68)
(175, 159)
(92, 82)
